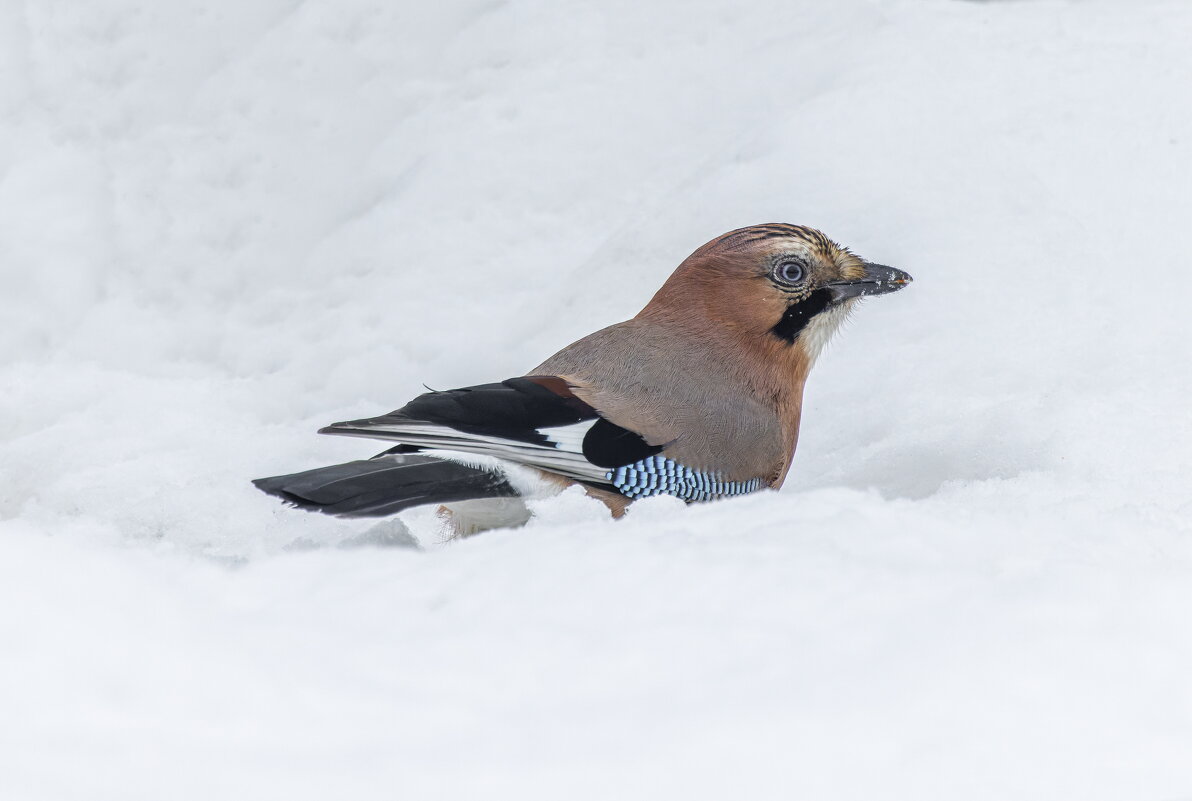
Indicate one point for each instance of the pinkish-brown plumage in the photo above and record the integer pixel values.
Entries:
(698, 396)
(698, 369)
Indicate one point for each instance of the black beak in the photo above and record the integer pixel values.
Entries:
(879, 279)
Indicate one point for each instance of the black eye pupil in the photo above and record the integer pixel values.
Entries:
(791, 272)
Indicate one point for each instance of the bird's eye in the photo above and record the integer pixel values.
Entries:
(789, 272)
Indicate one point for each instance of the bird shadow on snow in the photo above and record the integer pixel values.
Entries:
(389, 532)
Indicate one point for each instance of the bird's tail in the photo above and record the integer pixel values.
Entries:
(385, 484)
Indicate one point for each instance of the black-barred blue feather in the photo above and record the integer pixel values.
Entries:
(658, 475)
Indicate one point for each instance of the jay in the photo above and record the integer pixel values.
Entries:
(699, 396)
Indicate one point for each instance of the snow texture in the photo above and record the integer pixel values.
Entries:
(223, 225)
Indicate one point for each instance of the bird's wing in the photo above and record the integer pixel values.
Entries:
(535, 421)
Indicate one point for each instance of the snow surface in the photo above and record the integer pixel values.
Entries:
(224, 225)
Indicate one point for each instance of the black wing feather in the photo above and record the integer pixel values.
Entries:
(515, 411)
(608, 445)
(385, 485)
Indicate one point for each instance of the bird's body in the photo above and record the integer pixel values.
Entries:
(698, 396)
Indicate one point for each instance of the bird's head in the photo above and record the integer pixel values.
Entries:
(777, 282)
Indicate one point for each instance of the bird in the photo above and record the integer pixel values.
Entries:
(699, 396)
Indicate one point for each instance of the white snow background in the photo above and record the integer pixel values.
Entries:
(223, 225)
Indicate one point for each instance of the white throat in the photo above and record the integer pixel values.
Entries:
(823, 326)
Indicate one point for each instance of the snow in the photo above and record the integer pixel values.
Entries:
(225, 225)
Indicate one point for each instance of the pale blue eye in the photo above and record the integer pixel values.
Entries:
(789, 272)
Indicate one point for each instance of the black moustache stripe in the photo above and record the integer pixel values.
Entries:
(798, 315)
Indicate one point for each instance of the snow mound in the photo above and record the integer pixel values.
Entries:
(225, 226)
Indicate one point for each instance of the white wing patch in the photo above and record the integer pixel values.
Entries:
(559, 459)
(569, 438)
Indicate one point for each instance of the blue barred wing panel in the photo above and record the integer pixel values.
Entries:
(657, 475)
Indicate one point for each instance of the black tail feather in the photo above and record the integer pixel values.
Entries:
(385, 485)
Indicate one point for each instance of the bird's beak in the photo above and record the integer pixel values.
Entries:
(878, 280)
